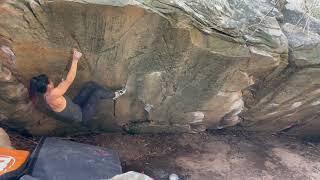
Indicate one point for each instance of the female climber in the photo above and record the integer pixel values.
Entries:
(83, 107)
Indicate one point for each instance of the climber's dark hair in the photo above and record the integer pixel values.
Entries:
(38, 84)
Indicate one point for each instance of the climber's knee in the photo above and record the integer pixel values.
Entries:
(103, 93)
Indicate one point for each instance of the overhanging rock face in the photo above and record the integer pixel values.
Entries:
(188, 65)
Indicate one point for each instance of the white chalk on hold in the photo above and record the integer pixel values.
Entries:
(9, 53)
(7, 50)
(197, 116)
(296, 104)
(218, 7)
(173, 177)
(148, 107)
(315, 103)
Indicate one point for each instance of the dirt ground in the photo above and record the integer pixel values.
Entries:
(210, 155)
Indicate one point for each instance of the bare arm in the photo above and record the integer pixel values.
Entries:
(62, 88)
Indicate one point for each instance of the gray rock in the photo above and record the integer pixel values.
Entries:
(304, 46)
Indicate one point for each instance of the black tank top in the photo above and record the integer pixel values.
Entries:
(71, 113)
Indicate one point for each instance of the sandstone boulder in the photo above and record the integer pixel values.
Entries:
(188, 65)
(288, 101)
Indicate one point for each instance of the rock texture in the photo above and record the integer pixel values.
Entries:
(4, 139)
(188, 65)
(289, 101)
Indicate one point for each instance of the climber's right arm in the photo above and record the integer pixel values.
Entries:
(62, 88)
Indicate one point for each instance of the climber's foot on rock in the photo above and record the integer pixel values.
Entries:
(119, 93)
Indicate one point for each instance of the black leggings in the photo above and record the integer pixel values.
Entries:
(89, 96)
